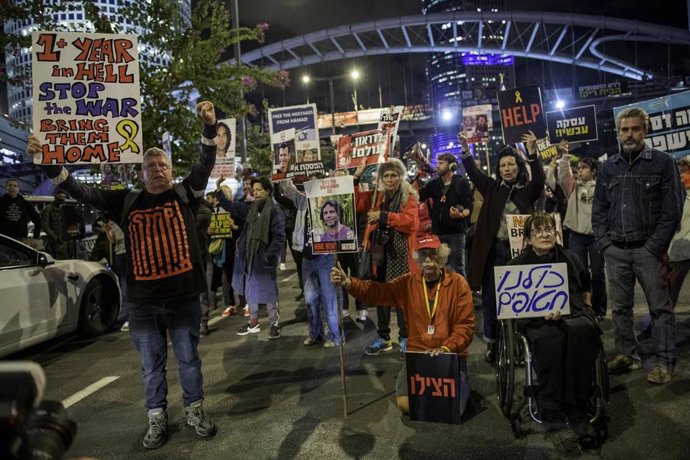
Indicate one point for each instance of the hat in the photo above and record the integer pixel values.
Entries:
(428, 242)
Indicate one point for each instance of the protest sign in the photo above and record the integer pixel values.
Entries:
(115, 176)
(225, 149)
(516, 225)
(86, 104)
(546, 150)
(578, 124)
(434, 387)
(368, 147)
(477, 122)
(521, 111)
(390, 119)
(303, 158)
(669, 123)
(332, 214)
(531, 291)
(221, 225)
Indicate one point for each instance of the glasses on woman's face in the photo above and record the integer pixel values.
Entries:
(547, 231)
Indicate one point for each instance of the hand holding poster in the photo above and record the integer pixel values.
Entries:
(86, 104)
(531, 291)
(546, 149)
(521, 112)
(365, 148)
(332, 213)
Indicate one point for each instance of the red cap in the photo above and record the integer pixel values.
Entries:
(428, 242)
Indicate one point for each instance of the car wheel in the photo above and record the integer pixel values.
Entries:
(99, 308)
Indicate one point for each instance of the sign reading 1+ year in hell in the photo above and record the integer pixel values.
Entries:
(86, 101)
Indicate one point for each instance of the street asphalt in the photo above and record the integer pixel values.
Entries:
(278, 399)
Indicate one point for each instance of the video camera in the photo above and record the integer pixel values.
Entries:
(30, 428)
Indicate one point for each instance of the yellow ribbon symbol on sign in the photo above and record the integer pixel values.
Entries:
(518, 98)
(128, 129)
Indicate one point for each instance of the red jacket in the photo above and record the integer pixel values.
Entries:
(454, 318)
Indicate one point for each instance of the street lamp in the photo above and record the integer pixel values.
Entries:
(306, 79)
(355, 76)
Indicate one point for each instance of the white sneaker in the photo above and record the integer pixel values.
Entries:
(125, 327)
(283, 267)
(362, 315)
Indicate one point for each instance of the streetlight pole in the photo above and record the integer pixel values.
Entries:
(354, 75)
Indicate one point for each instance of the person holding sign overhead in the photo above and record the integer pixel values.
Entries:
(564, 348)
(436, 302)
(510, 193)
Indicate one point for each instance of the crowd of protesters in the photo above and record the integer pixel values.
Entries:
(623, 221)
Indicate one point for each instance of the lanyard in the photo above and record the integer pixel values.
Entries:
(431, 310)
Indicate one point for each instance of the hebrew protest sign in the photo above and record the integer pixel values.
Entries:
(86, 103)
(516, 225)
(434, 387)
(531, 291)
(578, 124)
(225, 149)
(332, 214)
(390, 119)
(368, 147)
(521, 111)
(477, 122)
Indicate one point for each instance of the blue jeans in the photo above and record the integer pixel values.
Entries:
(456, 242)
(623, 266)
(148, 324)
(321, 296)
(587, 249)
(499, 254)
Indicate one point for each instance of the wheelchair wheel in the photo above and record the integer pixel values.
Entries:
(505, 366)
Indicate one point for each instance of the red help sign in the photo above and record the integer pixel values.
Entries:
(521, 112)
(368, 147)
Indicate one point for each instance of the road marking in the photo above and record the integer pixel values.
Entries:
(94, 387)
(215, 320)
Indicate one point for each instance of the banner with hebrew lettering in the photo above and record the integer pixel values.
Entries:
(531, 291)
(86, 100)
(365, 148)
(434, 387)
(521, 111)
(578, 124)
(669, 122)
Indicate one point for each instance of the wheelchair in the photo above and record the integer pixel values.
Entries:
(517, 390)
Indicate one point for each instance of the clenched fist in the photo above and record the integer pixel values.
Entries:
(206, 112)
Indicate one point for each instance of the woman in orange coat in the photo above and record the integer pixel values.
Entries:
(390, 235)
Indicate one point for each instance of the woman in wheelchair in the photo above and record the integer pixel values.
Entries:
(564, 348)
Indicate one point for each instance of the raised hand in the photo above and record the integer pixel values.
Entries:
(462, 138)
(206, 112)
(33, 148)
(530, 141)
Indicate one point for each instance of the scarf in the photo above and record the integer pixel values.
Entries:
(258, 227)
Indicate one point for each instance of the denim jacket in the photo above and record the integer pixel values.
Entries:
(638, 202)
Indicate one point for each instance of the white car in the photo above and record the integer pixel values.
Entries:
(42, 298)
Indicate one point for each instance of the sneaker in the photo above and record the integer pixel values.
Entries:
(228, 312)
(274, 332)
(362, 315)
(197, 418)
(203, 329)
(378, 346)
(283, 267)
(329, 344)
(660, 374)
(249, 329)
(403, 347)
(157, 433)
(245, 311)
(622, 364)
(309, 341)
(125, 327)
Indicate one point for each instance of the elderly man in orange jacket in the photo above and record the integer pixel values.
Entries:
(437, 305)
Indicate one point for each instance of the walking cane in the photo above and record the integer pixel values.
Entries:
(341, 334)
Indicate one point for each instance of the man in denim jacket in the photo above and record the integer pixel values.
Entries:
(636, 211)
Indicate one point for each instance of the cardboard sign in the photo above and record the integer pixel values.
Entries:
(546, 150)
(578, 124)
(433, 387)
(391, 119)
(332, 214)
(303, 119)
(225, 149)
(531, 291)
(86, 102)
(521, 111)
(477, 122)
(221, 225)
(368, 147)
(669, 120)
(516, 226)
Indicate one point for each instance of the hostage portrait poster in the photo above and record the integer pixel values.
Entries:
(332, 214)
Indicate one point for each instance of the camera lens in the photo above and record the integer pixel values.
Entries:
(50, 431)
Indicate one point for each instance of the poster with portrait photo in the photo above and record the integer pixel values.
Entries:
(225, 149)
(332, 214)
(478, 123)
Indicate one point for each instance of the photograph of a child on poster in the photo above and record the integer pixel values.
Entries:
(332, 213)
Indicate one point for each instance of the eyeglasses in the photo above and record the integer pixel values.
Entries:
(549, 231)
(154, 166)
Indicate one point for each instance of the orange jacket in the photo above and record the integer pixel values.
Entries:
(454, 318)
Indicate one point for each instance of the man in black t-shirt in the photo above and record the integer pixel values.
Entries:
(15, 213)
(165, 271)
